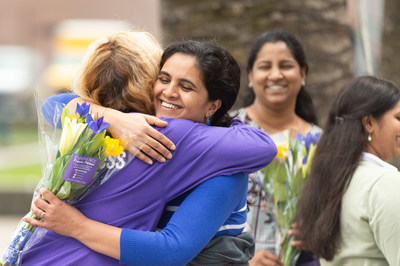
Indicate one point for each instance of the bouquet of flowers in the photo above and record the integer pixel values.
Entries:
(284, 179)
(77, 169)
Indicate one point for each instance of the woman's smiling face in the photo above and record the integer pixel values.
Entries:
(180, 92)
(276, 76)
(385, 134)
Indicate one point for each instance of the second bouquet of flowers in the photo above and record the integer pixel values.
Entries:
(285, 178)
(77, 168)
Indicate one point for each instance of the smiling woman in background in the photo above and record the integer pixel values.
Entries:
(277, 69)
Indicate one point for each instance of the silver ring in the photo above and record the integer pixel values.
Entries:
(41, 216)
(141, 146)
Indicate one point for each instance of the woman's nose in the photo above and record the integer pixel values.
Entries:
(170, 91)
(275, 73)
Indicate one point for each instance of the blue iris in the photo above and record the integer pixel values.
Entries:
(98, 125)
(82, 109)
(306, 141)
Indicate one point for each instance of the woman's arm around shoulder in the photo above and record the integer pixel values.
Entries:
(247, 146)
(135, 129)
(52, 107)
(238, 147)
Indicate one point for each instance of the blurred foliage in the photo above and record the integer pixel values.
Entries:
(18, 119)
(19, 175)
(20, 178)
(18, 135)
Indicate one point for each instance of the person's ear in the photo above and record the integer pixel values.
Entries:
(213, 106)
(250, 76)
(303, 76)
(368, 122)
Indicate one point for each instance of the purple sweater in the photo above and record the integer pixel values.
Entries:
(135, 197)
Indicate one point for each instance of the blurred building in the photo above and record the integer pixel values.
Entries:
(41, 42)
(33, 23)
(71, 39)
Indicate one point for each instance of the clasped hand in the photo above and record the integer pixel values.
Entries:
(139, 137)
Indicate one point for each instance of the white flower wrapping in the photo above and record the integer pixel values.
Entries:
(73, 165)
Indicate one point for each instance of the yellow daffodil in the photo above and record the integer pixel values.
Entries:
(282, 150)
(70, 134)
(112, 147)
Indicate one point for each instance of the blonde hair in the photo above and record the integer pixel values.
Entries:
(119, 71)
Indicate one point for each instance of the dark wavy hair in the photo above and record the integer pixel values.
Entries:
(304, 105)
(336, 158)
(221, 74)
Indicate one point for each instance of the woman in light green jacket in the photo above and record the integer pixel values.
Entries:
(349, 210)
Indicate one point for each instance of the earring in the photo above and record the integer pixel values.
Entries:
(303, 83)
(208, 120)
(369, 137)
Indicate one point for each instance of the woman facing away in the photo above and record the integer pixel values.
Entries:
(349, 207)
(198, 81)
(277, 69)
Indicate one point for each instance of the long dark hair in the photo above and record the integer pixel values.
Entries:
(304, 105)
(221, 74)
(337, 156)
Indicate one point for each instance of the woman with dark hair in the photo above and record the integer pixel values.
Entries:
(219, 76)
(348, 212)
(280, 105)
(135, 197)
(304, 107)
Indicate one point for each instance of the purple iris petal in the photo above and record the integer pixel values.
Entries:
(96, 126)
(305, 159)
(101, 125)
(302, 139)
(306, 141)
(82, 109)
(309, 139)
(316, 138)
(89, 119)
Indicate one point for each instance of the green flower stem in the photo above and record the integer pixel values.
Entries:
(29, 226)
(287, 250)
(277, 216)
